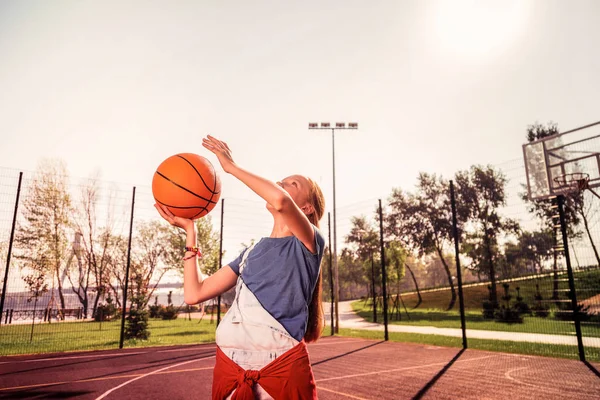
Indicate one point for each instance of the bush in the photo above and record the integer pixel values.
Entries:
(156, 310)
(540, 309)
(107, 311)
(170, 312)
(520, 306)
(137, 320)
(508, 315)
(488, 309)
(489, 306)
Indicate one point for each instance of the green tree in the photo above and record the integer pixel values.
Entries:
(150, 256)
(41, 238)
(395, 257)
(423, 220)
(366, 240)
(481, 190)
(137, 319)
(37, 286)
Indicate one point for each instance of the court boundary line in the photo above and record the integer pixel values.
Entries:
(104, 378)
(397, 369)
(148, 374)
(74, 357)
(343, 394)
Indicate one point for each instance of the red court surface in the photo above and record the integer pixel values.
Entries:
(345, 368)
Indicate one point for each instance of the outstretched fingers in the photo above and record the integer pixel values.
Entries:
(165, 213)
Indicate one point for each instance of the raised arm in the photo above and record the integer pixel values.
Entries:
(195, 288)
(275, 195)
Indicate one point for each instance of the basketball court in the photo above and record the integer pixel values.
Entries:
(345, 368)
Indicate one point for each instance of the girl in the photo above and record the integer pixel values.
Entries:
(261, 342)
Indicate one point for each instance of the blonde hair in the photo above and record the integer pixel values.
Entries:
(315, 309)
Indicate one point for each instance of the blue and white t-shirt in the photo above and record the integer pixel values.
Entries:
(282, 274)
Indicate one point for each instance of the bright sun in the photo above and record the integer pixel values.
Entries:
(475, 27)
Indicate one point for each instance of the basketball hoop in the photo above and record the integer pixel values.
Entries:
(575, 182)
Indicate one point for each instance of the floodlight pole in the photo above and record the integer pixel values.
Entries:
(338, 125)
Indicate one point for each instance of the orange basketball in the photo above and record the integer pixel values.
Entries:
(187, 184)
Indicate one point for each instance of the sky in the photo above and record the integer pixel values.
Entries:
(435, 86)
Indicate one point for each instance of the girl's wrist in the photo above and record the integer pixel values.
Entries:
(191, 233)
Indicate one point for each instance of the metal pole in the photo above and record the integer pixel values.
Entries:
(330, 273)
(335, 260)
(383, 273)
(574, 305)
(220, 259)
(12, 236)
(461, 300)
(127, 272)
(373, 291)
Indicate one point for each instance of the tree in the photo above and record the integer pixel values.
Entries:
(37, 286)
(395, 256)
(481, 190)
(137, 319)
(41, 237)
(423, 220)
(366, 240)
(353, 276)
(149, 256)
(93, 245)
(116, 264)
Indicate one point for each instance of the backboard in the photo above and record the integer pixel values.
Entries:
(560, 163)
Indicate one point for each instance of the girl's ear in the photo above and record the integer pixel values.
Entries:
(308, 209)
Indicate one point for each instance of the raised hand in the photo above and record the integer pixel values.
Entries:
(221, 150)
(183, 223)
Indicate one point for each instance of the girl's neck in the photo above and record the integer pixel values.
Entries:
(280, 229)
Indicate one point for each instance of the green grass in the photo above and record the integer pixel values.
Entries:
(475, 320)
(78, 336)
(587, 284)
(537, 349)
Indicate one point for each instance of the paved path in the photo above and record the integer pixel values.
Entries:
(349, 319)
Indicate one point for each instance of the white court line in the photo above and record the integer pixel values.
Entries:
(148, 374)
(397, 369)
(73, 357)
(343, 394)
(507, 376)
(186, 349)
(339, 341)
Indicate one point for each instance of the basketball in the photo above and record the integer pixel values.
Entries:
(187, 184)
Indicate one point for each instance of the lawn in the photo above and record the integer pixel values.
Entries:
(474, 320)
(538, 349)
(78, 336)
(587, 284)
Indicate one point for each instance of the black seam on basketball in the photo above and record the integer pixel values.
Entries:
(200, 212)
(187, 190)
(199, 174)
(180, 207)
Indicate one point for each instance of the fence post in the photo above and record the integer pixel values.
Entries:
(220, 259)
(383, 273)
(127, 272)
(563, 228)
(12, 235)
(461, 300)
(373, 289)
(330, 273)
